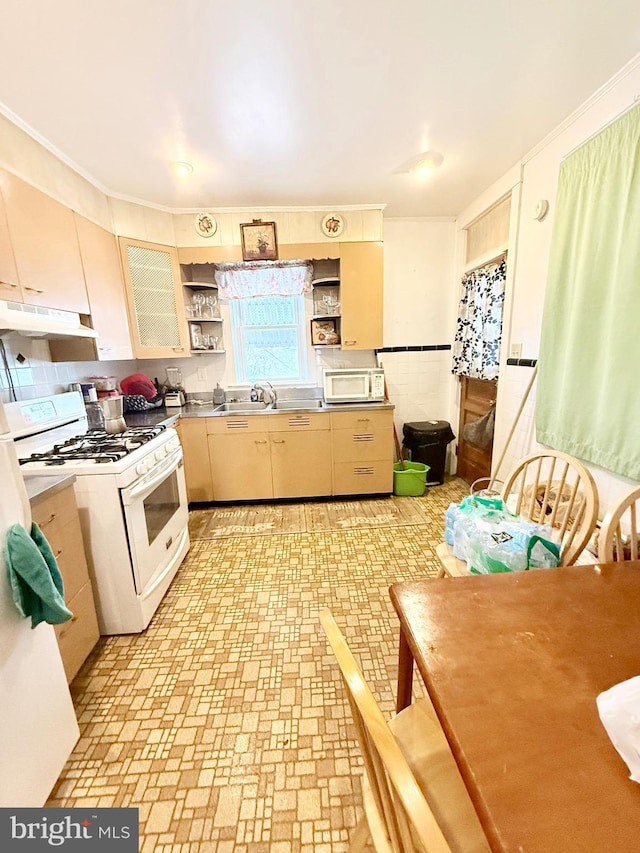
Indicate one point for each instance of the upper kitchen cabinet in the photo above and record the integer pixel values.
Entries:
(107, 301)
(361, 295)
(9, 286)
(45, 247)
(154, 297)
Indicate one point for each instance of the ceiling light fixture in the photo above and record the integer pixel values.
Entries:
(182, 169)
(426, 162)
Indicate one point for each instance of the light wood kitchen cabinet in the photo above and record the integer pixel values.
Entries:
(45, 248)
(362, 444)
(154, 298)
(195, 448)
(361, 295)
(9, 285)
(240, 465)
(57, 516)
(301, 455)
(107, 300)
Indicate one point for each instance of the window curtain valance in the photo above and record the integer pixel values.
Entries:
(476, 347)
(587, 400)
(263, 278)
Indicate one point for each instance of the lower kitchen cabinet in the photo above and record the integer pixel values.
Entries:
(301, 464)
(195, 448)
(240, 466)
(362, 452)
(57, 516)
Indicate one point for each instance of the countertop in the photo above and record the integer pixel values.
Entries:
(41, 486)
(153, 417)
(209, 410)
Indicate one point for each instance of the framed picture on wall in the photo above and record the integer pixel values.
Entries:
(259, 241)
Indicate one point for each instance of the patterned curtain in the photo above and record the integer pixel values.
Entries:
(264, 278)
(476, 348)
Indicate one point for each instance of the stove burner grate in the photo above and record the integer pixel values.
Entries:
(96, 445)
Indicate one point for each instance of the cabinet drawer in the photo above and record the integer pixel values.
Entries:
(237, 423)
(362, 419)
(53, 513)
(79, 635)
(301, 421)
(353, 478)
(365, 445)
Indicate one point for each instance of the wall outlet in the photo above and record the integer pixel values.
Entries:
(515, 351)
(202, 374)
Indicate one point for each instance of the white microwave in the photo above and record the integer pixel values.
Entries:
(354, 385)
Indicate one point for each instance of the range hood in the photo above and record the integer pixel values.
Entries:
(36, 322)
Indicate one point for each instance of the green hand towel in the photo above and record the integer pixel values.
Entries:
(36, 582)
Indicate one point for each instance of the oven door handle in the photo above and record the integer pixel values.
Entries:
(144, 486)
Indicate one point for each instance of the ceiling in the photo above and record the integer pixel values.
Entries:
(300, 103)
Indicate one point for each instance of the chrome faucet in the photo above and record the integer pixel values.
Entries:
(270, 392)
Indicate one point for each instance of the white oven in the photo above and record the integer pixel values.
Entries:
(155, 515)
(132, 500)
(354, 385)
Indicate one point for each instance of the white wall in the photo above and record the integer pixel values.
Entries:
(528, 258)
(419, 311)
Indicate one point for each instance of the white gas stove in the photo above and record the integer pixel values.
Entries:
(131, 493)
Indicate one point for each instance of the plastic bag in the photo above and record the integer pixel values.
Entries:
(511, 545)
(483, 532)
(480, 432)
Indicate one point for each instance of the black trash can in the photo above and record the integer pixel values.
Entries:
(427, 441)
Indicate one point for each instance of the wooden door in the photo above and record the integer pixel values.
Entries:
(361, 295)
(476, 395)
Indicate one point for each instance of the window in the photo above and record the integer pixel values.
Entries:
(269, 339)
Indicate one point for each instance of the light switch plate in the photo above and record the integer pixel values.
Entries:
(515, 351)
(202, 374)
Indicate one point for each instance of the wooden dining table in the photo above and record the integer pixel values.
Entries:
(513, 664)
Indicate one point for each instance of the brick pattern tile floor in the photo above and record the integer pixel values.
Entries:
(224, 722)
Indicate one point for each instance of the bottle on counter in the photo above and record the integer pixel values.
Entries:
(218, 394)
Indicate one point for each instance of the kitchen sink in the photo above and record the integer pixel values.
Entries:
(246, 406)
(297, 404)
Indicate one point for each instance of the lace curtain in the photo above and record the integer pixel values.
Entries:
(263, 278)
(476, 348)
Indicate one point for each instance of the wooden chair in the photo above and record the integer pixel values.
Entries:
(550, 487)
(618, 537)
(414, 797)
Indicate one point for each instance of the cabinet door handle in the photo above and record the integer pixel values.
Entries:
(365, 420)
(256, 441)
(59, 553)
(349, 343)
(104, 349)
(50, 519)
(178, 349)
(8, 284)
(34, 290)
(278, 440)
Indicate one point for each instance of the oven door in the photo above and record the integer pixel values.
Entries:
(156, 516)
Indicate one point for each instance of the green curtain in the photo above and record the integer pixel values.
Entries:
(588, 400)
